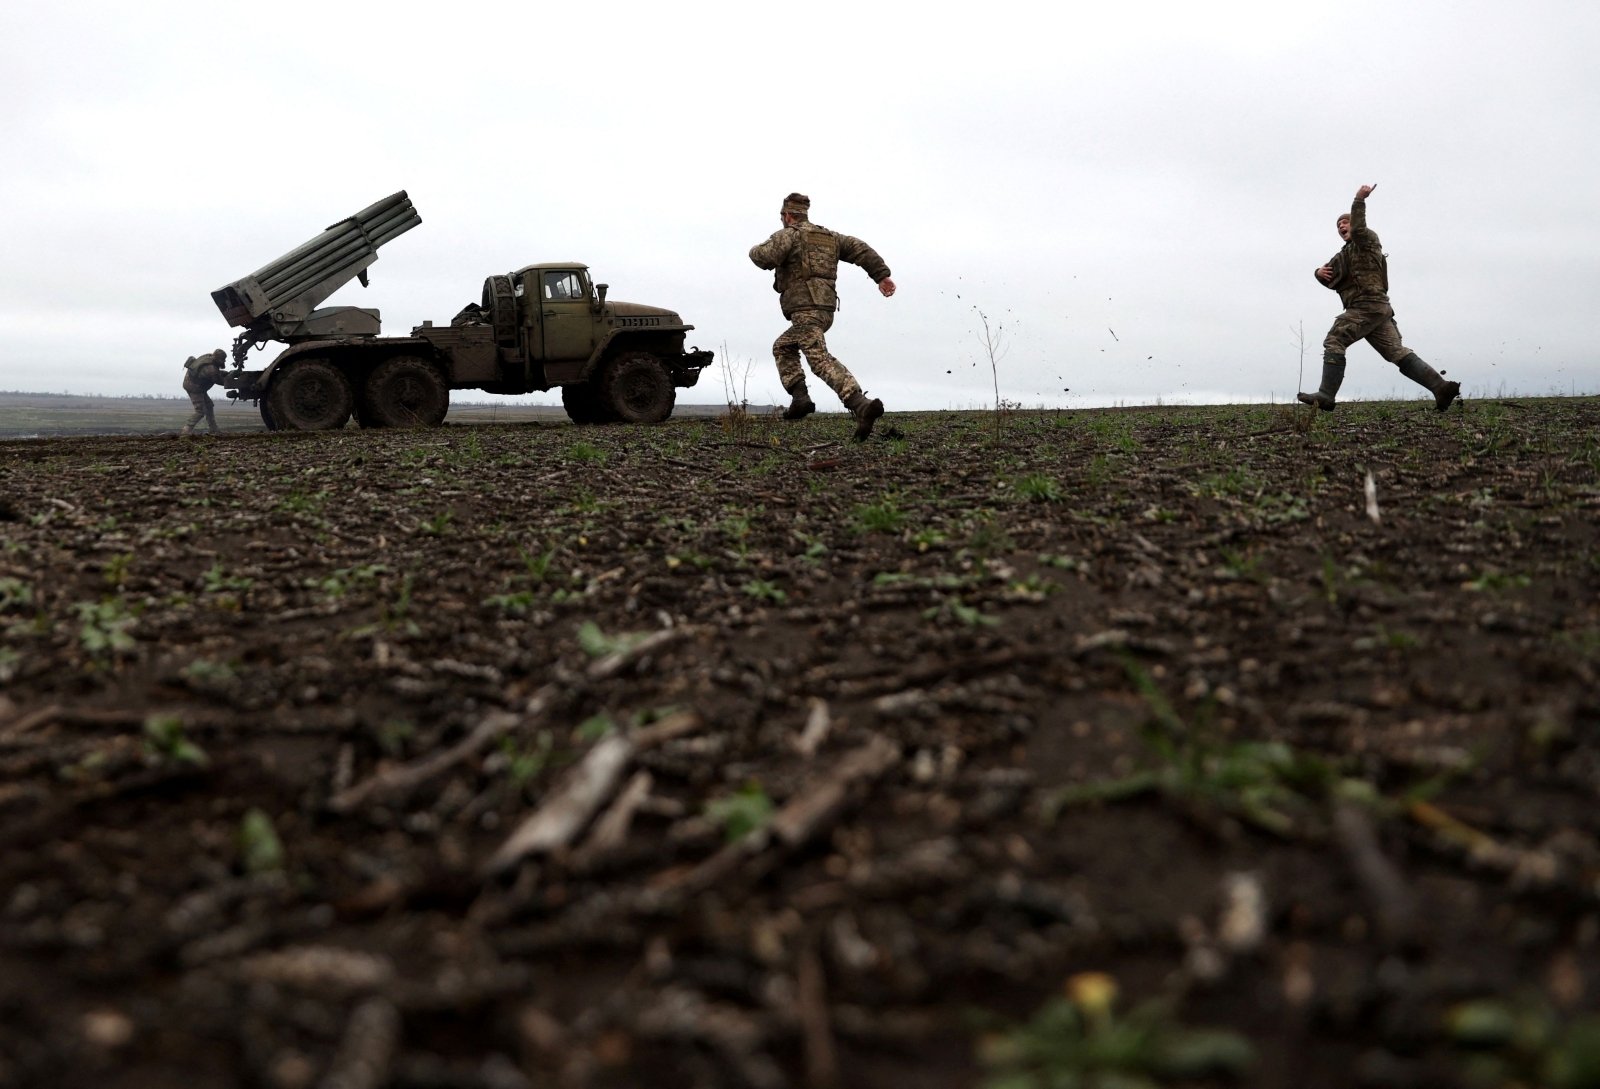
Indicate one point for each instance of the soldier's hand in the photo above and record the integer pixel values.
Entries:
(886, 287)
(1365, 191)
(1325, 274)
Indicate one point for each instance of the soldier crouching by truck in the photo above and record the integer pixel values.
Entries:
(200, 373)
(805, 259)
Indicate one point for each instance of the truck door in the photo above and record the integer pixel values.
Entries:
(568, 321)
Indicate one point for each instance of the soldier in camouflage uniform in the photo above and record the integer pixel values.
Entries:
(806, 259)
(1360, 274)
(200, 373)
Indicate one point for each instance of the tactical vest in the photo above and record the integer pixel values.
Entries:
(196, 377)
(1361, 272)
(806, 277)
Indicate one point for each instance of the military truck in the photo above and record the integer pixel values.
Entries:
(542, 326)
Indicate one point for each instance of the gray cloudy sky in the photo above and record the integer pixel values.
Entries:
(1169, 171)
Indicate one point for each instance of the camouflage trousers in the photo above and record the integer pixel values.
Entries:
(806, 333)
(1373, 324)
(202, 411)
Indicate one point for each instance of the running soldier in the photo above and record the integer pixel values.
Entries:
(1360, 274)
(200, 373)
(806, 259)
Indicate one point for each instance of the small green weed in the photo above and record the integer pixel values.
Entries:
(164, 740)
(1331, 580)
(1384, 639)
(115, 572)
(524, 765)
(438, 525)
(217, 581)
(260, 849)
(586, 453)
(103, 627)
(1524, 1041)
(205, 673)
(1079, 1041)
(597, 644)
(1494, 581)
(345, 579)
(884, 516)
(1243, 566)
(1038, 488)
(816, 548)
(595, 727)
(395, 616)
(302, 503)
(538, 566)
(517, 603)
(762, 590)
(745, 811)
(1265, 783)
(14, 594)
(954, 610)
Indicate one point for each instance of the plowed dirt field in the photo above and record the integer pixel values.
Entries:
(1187, 746)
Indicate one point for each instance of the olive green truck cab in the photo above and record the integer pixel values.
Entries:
(543, 326)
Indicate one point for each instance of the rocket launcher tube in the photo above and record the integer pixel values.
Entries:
(298, 281)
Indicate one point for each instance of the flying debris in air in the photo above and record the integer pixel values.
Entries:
(1113, 333)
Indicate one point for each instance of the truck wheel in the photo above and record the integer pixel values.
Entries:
(404, 392)
(637, 388)
(500, 303)
(266, 417)
(309, 395)
(583, 404)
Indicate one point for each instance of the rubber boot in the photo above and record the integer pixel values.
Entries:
(1412, 366)
(1332, 379)
(800, 404)
(866, 411)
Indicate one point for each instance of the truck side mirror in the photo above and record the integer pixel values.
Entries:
(600, 297)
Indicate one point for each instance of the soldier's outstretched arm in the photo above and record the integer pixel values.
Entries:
(770, 254)
(1358, 210)
(858, 252)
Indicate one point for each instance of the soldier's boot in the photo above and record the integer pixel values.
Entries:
(187, 429)
(1412, 366)
(800, 403)
(866, 411)
(1332, 379)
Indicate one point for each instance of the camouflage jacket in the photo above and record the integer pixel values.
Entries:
(199, 373)
(805, 259)
(1360, 268)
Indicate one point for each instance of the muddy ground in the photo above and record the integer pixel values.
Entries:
(729, 753)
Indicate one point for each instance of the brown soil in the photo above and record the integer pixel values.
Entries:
(336, 760)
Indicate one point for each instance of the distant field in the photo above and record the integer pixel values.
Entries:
(25, 415)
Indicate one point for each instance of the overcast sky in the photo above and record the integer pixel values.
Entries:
(1137, 192)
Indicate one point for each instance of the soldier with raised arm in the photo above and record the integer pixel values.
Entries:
(200, 373)
(1360, 274)
(805, 258)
